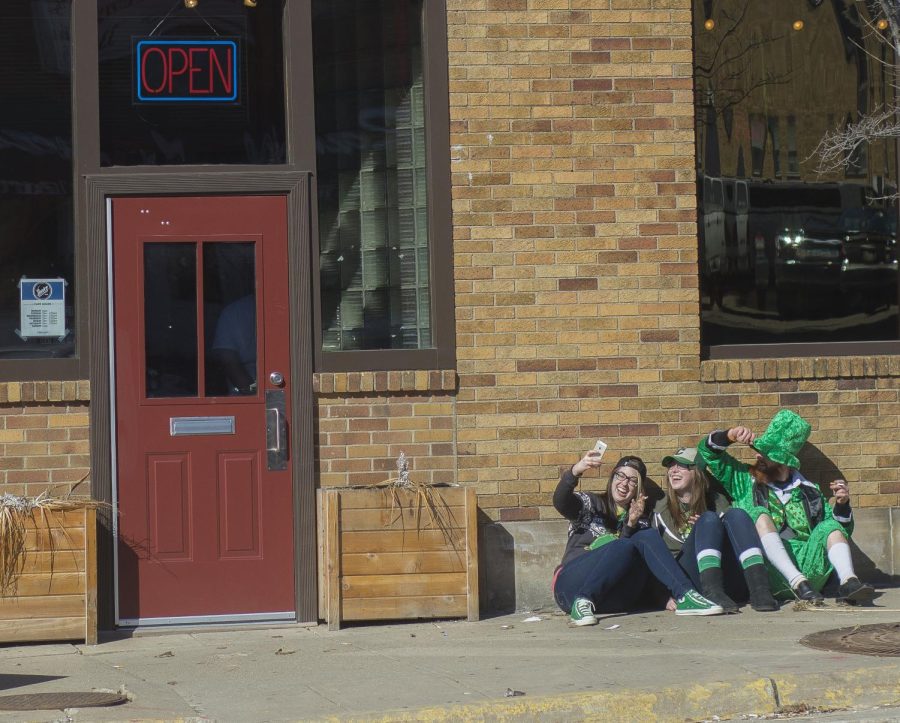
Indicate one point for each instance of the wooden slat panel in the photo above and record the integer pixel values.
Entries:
(355, 499)
(60, 561)
(426, 584)
(401, 608)
(47, 606)
(333, 557)
(59, 583)
(390, 541)
(473, 610)
(15, 631)
(406, 518)
(54, 538)
(70, 519)
(90, 598)
(320, 538)
(395, 563)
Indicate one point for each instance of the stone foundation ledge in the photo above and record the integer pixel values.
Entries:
(517, 559)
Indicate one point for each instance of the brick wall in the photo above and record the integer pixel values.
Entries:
(44, 444)
(576, 263)
(364, 420)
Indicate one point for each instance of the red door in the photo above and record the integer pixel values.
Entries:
(201, 378)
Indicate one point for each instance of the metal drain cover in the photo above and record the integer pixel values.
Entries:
(882, 640)
(59, 701)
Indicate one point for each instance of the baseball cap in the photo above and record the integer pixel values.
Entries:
(686, 456)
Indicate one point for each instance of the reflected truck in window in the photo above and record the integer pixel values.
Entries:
(848, 267)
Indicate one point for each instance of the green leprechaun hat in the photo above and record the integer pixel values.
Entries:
(784, 437)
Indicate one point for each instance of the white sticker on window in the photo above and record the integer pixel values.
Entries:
(42, 308)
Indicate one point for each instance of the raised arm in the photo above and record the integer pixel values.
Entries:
(566, 502)
(721, 465)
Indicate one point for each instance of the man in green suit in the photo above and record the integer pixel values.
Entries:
(804, 539)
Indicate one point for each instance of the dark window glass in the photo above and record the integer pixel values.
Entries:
(36, 221)
(229, 310)
(373, 209)
(249, 130)
(810, 256)
(170, 319)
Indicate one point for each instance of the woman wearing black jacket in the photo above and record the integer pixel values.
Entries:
(612, 554)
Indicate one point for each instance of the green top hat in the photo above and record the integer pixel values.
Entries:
(784, 437)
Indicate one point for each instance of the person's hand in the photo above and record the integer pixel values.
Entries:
(841, 491)
(591, 460)
(636, 509)
(670, 605)
(741, 434)
(693, 519)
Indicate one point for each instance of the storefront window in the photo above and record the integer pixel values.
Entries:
(190, 86)
(371, 150)
(790, 253)
(36, 220)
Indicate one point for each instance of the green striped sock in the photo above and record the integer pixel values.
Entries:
(707, 559)
(750, 557)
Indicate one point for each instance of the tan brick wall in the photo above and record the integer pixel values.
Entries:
(44, 445)
(576, 247)
(360, 434)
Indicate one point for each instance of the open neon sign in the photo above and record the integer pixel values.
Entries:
(186, 71)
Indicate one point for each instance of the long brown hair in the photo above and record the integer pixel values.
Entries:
(699, 487)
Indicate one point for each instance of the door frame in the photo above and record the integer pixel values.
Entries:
(296, 187)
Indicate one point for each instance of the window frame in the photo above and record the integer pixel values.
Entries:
(442, 355)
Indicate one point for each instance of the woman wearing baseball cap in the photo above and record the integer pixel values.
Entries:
(612, 558)
(716, 545)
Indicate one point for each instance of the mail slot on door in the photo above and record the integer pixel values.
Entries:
(188, 426)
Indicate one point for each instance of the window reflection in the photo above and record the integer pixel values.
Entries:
(787, 253)
(170, 319)
(36, 221)
(229, 307)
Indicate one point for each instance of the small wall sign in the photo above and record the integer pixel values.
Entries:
(186, 70)
(42, 308)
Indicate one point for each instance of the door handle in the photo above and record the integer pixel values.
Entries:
(276, 430)
(276, 427)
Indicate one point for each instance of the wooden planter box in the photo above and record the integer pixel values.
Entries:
(377, 562)
(56, 594)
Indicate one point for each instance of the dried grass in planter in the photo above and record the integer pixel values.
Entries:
(15, 511)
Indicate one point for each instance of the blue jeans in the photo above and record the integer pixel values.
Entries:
(614, 577)
(732, 535)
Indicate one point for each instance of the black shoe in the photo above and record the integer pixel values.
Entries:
(712, 588)
(761, 598)
(804, 591)
(854, 591)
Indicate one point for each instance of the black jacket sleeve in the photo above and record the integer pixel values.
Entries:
(566, 502)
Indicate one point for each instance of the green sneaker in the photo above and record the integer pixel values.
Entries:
(693, 603)
(583, 612)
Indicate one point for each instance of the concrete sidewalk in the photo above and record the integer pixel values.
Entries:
(652, 666)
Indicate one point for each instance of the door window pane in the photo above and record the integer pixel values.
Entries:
(229, 312)
(373, 206)
(812, 255)
(248, 130)
(36, 221)
(170, 319)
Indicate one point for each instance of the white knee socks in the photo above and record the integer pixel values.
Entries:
(778, 556)
(839, 556)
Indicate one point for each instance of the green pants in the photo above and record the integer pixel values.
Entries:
(810, 556)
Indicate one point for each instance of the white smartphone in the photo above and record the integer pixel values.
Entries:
(599, 449)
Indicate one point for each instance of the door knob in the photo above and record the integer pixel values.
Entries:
(277, 379)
